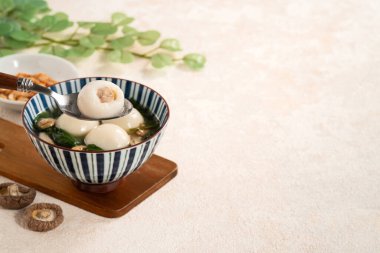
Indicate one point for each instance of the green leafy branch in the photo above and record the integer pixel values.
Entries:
(30, 23)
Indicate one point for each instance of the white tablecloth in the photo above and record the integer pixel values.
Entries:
(277, 139)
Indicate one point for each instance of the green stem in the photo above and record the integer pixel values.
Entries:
(104, 48)
(42, 44)
(36, 45)
(151, 51)
(50, 39)
(69, 42)
(140, 55)
(134, 53)
(74, 33)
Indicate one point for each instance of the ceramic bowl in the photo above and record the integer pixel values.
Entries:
(97, 168)
(56, 67)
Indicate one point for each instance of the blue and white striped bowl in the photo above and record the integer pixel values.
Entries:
(97, 167)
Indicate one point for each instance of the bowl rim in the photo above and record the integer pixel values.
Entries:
(103, 151)
(69, 64)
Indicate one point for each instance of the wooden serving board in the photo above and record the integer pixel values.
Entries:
(20, 162)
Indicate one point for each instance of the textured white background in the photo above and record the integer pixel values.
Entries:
(277, 139)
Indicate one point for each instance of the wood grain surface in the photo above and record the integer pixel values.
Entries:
(20, 162)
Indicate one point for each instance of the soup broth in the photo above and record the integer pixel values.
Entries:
(132, 129)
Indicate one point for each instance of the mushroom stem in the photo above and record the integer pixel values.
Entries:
(13, 190)
(43, 214)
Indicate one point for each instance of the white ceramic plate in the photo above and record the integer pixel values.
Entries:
(55, 67)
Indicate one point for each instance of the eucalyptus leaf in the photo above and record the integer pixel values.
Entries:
(45, 22)
(15, 25)
(54, 23)
(18, 13)
(117, 17)
(80, 51)
(148, 38)
(114, 55)
(122, 42)
(126, 21)
(120, 56)
(126, 57)
(5, 29)
(194, 61)
(15, 44)
(39, 5)
(61, 16)
(161, 60)
(26, 15)
(29, 26)
(24, 36)
(59, 51)
(20, 4)
(60, 26)
(6, 5)
(171, 45)
(96, 40)
(104, 29)
(127, 30)
(4, 52)
(8, 26)
(85, 41)
(86, 24)
(46, 50)
(91, 41)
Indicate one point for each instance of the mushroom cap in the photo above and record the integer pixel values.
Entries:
(24, 197)
(50, 217)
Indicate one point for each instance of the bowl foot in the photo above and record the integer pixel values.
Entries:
(96, 188)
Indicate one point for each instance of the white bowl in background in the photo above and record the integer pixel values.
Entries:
(57, 68)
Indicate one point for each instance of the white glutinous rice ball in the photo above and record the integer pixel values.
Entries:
(107, 137)
(132, 120)
(43, 136)
(74, 126)
(100, 99)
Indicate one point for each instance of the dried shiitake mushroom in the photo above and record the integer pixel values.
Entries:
(46, 123)
(141, 132)
(14, 196)
(79, 148)
(43, 217)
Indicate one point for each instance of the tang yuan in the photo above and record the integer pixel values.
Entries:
(100, 99)
(132, 120)
(107, 137)
(74, 126)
